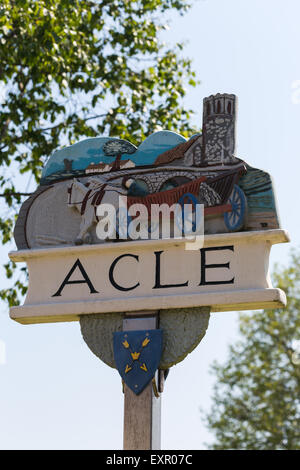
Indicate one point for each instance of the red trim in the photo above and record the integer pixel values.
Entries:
(170, 196)
(217, 209)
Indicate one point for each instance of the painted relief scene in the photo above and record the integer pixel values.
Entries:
(165, 169)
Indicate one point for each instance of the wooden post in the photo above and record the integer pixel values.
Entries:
(142, 413)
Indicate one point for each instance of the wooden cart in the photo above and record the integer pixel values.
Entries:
(232, 199)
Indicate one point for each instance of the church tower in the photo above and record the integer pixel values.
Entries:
(219, 116)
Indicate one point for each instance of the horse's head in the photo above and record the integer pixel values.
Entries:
(76, 193)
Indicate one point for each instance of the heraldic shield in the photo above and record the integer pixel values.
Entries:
(137, 356)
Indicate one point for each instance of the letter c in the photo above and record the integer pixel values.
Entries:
(111, 273)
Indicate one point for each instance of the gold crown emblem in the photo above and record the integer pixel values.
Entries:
(135, 356)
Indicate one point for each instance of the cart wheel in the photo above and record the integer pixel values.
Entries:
(234, 220)
(188, 225)
(123, 220)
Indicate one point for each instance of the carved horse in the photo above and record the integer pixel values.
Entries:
(86, 199)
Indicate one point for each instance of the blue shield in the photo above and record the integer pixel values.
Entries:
(137, 356)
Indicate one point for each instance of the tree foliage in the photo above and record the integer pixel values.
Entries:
(256, 400)
(113, 147)
(71, 69)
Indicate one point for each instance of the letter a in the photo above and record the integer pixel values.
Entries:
(85, 280)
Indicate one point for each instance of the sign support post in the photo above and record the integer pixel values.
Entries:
(142, 413)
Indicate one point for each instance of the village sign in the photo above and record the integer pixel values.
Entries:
(76, 275)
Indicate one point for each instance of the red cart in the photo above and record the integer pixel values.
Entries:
(232, 198)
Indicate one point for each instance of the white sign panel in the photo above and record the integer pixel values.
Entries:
(230, 272)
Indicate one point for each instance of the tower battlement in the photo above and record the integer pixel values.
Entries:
(219, 105)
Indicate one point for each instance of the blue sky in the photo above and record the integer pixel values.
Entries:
(54, 392)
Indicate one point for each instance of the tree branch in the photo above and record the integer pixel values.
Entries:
(74, 122)
(14, 194)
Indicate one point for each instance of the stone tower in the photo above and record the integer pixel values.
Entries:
(219, 115)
